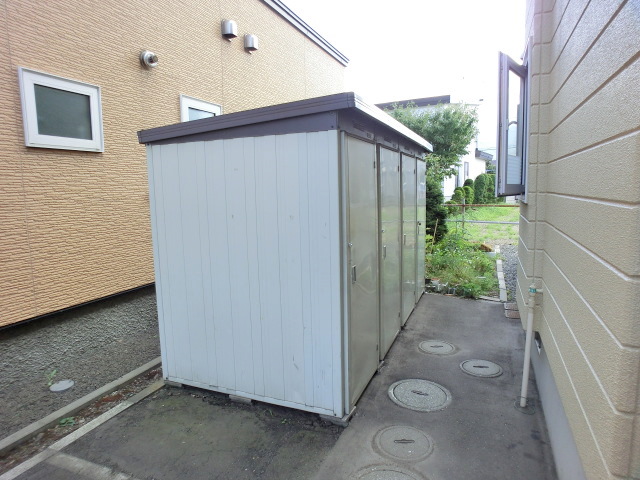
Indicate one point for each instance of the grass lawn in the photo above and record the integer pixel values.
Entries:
(490, 233)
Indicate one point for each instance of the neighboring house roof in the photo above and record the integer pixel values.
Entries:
(483, 155)
(301, 25)
(418, 102)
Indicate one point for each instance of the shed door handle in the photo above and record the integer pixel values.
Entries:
(404, 239)
(353, 274)
(384, 251)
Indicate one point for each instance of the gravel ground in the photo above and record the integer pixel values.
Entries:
(509, 255)
(91, 345)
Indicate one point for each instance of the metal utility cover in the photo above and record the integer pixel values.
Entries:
(481, 368)
(420, 395)
(403, 443)
(437, 347)
(62, 386)
(386, 472)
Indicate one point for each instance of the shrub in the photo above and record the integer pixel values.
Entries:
(468, 183)
(435, 212)
(479, 187)
(490, 189)
(468, 194)
(457, 197)
(462, 265)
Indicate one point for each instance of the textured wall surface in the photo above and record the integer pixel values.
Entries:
(74, 226)
(580, 230)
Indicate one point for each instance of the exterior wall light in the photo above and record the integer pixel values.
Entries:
(229, 29)
(148, 59)
(250, 42)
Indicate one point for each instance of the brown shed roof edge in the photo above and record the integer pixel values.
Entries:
(339, 101)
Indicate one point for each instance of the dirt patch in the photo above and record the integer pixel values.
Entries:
(68, 425)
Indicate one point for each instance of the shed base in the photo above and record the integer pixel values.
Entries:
(171, 383)
(341, 422)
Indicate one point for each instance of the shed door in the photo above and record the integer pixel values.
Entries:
(409, 218)
(362, 263)
(422, 215)
(390, 245)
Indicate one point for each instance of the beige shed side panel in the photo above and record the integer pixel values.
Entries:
(579, 229)
(75, 225)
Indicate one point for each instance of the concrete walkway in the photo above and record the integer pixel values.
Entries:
(188, 433)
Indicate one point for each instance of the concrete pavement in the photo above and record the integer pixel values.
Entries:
(188, 433)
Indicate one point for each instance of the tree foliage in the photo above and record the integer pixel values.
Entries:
(449, 128)
(436, 214)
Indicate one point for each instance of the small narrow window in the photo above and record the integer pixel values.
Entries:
(466, 170)
(60, 113)
(512, 128)
(194, 109)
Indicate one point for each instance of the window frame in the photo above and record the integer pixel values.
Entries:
(508, 65)
(187, 102)
(28, 79)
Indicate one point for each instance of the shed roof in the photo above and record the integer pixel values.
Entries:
(302, 109)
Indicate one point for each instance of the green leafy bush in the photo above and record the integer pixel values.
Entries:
(436, 214)
(456, 198)
(468, 194)
(468, 183)
(490, 189)
(462, 266)
(479, 188)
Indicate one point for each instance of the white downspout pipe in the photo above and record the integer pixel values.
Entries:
(527, 346)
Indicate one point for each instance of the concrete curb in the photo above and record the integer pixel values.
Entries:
(15, 439)
(57, 447)
(501, 283)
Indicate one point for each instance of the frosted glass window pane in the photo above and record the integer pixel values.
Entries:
(62, 113)
(195, 114)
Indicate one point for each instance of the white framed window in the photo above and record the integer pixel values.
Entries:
(195, 109)
(513, 107)
(60, 113)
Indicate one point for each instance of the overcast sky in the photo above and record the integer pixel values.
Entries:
(401, 49)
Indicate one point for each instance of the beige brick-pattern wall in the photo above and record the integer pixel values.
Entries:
(74, 226)
(580, 229)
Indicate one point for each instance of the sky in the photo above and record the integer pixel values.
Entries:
(402, 49)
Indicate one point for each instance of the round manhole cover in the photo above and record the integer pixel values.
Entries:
(62, 385)
(386, 472)
(437, 347)
(403, 443)
(420, 395)
(481, 368)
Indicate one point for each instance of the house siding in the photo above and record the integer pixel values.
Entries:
(74, 226)
(580, 227)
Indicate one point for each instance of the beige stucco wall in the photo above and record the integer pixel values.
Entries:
(580, 230)
(74, 226)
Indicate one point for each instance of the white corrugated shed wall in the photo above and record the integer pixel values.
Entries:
(247, 256)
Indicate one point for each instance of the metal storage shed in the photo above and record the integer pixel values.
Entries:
(287, 246)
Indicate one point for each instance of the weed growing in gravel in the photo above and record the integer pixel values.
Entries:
(51, 376)
(461, 265)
